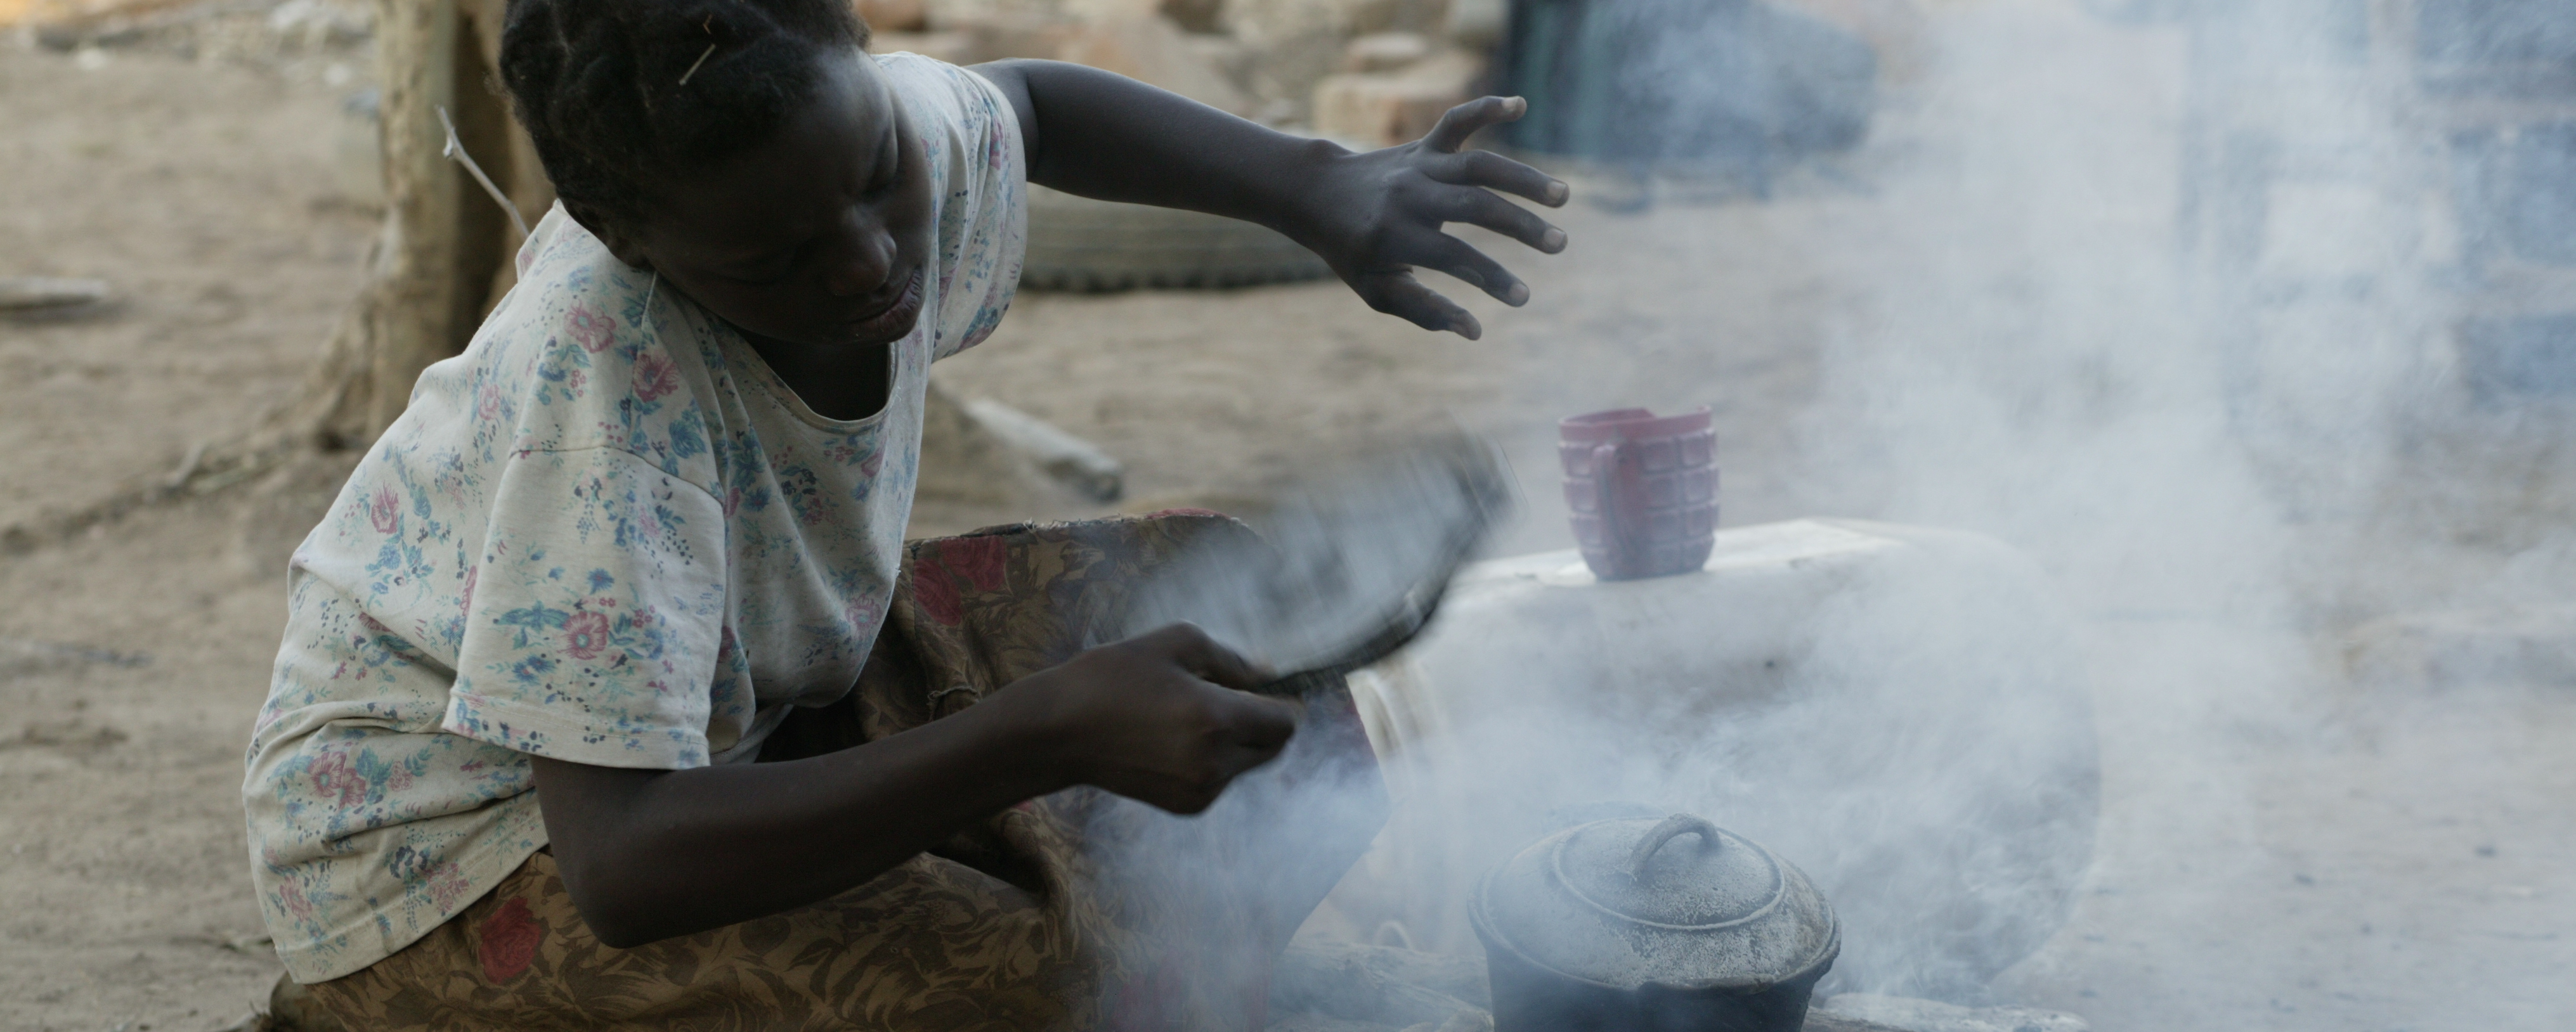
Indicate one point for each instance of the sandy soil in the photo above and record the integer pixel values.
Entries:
(2278, 852)
(205, 195)
(202, 193)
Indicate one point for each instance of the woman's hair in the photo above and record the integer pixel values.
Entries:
(614, 91)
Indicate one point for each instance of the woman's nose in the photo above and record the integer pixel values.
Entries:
(861, 264)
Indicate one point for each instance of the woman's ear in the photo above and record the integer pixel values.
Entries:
(616, 233)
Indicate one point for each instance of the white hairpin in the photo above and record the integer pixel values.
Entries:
(693, 65)
(456, 149)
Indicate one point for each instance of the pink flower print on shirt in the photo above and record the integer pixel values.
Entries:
(585, 635)
(385, 510)
(290, 898)
(864, 613)
(655, 376)
(447, 884)
(334, 779)
(591, 328)
(487, 402)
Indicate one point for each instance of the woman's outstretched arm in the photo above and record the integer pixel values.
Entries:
(1373, 216)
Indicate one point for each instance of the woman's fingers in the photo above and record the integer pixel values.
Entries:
(1463, 121)
(1250, 721)
(1240, 732)
(1478, 207)
(1461, 259)
(1204, 657)
(1488, 169)
(1395, 292)
(1261, 727)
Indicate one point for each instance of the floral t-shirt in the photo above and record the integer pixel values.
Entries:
(608, 534)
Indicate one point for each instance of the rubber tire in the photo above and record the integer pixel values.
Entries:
(1079, 244)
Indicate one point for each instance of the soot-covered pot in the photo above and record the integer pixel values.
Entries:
(1640, 925)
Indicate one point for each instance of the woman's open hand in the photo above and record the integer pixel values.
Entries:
(1155, 718)
(1373, 216)
(1378, 216)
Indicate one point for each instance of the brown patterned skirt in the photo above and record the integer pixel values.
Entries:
(1080, 910)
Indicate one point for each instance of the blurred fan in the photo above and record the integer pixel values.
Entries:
(1355, 564)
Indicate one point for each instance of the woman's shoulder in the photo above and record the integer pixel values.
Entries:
(957, 102)
(979, 174)
(584, 352)
(917, 77)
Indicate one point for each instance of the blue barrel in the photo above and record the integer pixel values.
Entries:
(1643, 81)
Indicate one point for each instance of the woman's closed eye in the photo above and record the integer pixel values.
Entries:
(889, 168)
(766, 273)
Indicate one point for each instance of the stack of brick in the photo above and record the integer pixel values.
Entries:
(1263, 59)
(1392, 88)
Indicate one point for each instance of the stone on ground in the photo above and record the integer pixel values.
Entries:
(1866, 1012)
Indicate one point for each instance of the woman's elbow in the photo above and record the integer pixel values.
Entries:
(607, 903)
(617, 923)
(618, 937)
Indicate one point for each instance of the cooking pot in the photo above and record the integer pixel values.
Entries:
(1640, 925)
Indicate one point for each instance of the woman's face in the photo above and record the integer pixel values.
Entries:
(819, 237)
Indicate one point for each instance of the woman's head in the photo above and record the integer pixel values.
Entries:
(743, 149)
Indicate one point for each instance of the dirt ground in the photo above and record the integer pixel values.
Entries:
(2278, 851)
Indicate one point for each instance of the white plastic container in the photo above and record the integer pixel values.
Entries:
(1897, 710)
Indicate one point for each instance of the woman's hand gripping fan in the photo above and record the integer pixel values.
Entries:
(1161, 718)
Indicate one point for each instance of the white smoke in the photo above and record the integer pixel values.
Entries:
(2171, 307)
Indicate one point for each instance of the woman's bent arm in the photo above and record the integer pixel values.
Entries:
(650, 854)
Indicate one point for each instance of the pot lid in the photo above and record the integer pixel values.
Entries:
(1677, 902)
(1654, 880)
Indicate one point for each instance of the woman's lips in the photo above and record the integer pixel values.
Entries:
(895, 319)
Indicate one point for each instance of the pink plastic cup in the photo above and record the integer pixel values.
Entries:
(1643, 489)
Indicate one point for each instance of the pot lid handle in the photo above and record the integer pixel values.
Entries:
(1673, 827)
